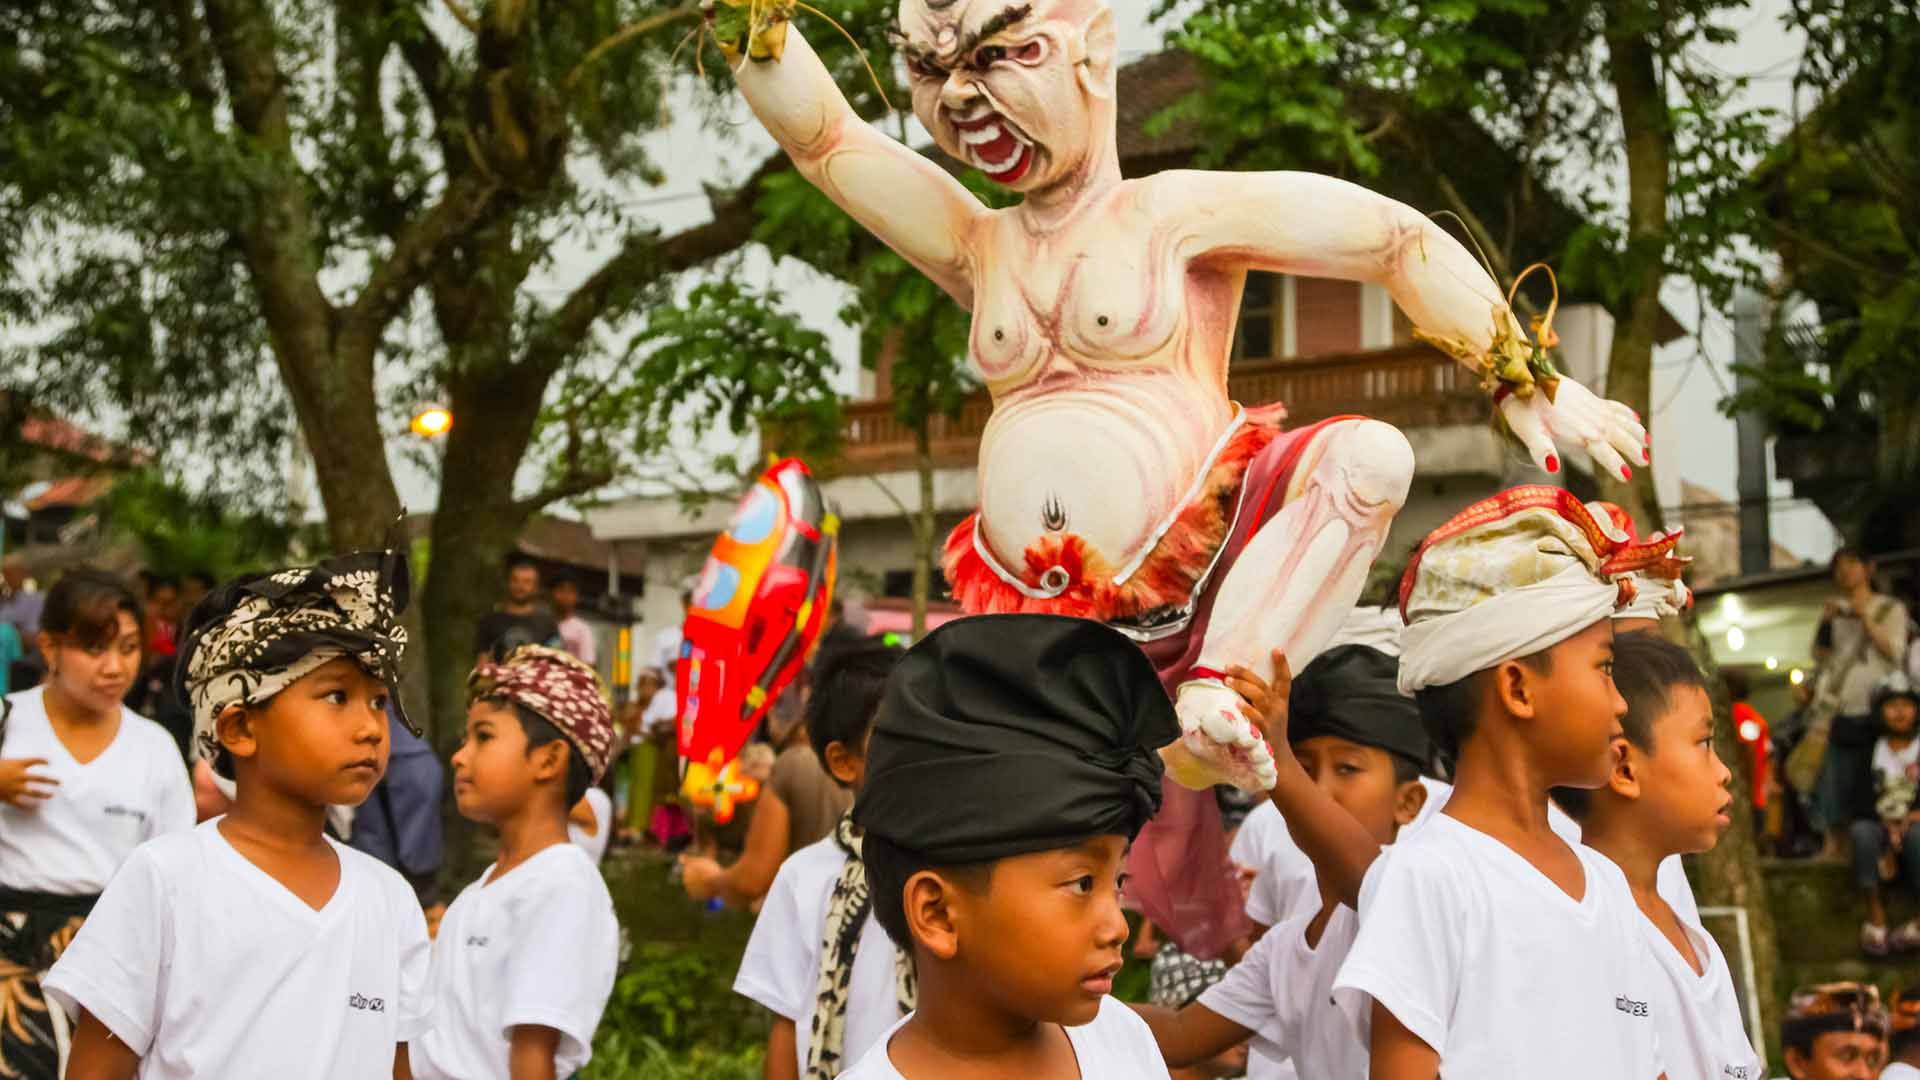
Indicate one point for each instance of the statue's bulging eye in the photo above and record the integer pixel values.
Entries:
(925, 70)
(989, 55)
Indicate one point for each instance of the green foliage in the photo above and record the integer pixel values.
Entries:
(636, 1057)
(673, 1007)
(1503, 106)
(180, 532)
(1840, 211)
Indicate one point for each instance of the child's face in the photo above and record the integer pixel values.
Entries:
(1576, 709)
(1044, 939)
(1839, 1055)
(1681, 780)
(1898, 716)
(493, 775)
(323, 738)
(1359, 778)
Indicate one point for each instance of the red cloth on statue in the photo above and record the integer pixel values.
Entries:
(1179, 874)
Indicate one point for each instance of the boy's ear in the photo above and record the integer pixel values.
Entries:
(929, 901)
(842, 762)
(1408, 801)
(550, 761)
(233, 729)
(1515, 689)
(1624, 781)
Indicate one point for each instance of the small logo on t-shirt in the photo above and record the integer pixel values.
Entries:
(1629, 1006)
(1736, 1072)
(476, 941)
(116, 810)
(366, 1004)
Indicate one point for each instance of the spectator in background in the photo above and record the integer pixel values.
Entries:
(11, 653)
(1835, 1031)
(193, 589)
(163, 616)
(1903, 1036)
(1753, 732)
(666, 644)
(517, 620)
(576, 636)
(20, 602)
(1862, 638)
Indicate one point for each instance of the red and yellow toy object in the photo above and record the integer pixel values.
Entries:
(719, 788)
(759, 606)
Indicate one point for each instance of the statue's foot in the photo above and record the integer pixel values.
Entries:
(1218, 744)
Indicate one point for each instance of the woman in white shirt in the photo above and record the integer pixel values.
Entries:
(83, 781)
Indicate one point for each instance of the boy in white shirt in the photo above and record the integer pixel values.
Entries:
(1508, 650)
(1014, 758)
(817, 959)
(253, 945)
(1358, 741)
(1668, 796)
(525, 956)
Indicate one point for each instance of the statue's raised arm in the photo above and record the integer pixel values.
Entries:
(907, 201)
(1318, 226)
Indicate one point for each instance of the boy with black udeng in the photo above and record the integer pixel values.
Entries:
(1014, 759)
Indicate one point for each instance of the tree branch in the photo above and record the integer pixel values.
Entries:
(645, 259)
(566, 487)
(463, 205)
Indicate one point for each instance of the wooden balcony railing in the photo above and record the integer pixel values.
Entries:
(1406, 385)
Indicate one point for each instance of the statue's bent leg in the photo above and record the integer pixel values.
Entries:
(1290, 589)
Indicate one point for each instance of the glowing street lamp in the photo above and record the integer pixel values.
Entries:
(432, 421)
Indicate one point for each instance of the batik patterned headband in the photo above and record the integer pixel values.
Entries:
(559, 688)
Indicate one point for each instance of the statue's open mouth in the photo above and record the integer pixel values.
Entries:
(992, 145)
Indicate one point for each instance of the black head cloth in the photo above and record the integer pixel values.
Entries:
(1000, 735)
(1352, 692)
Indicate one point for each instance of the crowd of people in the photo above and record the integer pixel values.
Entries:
(1468, 864)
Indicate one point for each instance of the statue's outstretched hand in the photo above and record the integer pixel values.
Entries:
(1224, 728)
(1610, 433)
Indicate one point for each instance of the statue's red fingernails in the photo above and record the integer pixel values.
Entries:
(1553, 463)
(1626, 473)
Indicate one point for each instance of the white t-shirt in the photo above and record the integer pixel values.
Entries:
(538, 946)
(205, 965)
(1115, 1045)
(594, 843)
(1896, 777)
(1702, 1035)
(1497, 969)
(1900, 1071)
(781, 967)
(1280, 991)
(73, 841)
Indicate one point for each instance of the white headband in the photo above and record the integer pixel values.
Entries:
(1446, 648)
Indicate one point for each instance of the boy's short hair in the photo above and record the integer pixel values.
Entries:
(1849, 551)
(889, 866)
(540, 731)
(1647, 669)
(1451, 713)
(562, 577)
(846, 696)
(518, 559)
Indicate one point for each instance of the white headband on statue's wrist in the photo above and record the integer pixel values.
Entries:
(1444, 649)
